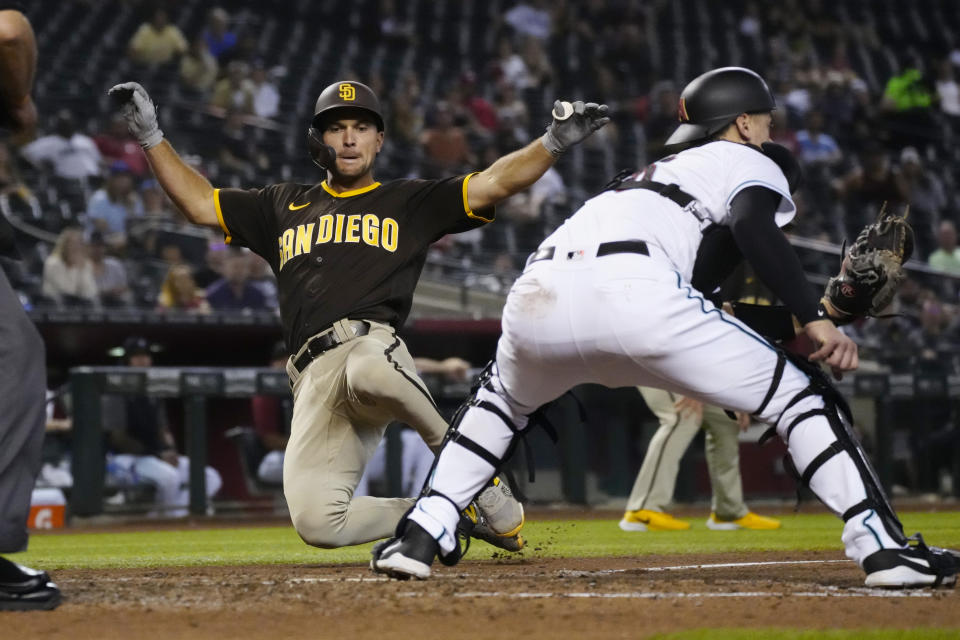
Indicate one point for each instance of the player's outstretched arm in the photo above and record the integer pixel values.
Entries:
(190, 192)
(516, 171)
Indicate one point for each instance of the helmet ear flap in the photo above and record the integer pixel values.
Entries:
(322, 154)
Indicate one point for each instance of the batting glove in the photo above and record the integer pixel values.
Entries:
(138, 110)
(572, 123)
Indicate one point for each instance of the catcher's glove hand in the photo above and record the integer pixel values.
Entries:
(871, 271)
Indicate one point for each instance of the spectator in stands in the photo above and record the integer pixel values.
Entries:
(271, 416)
(235, 291)
(948, 92)
(218, 36)
(394, 29)
(539, 67)
(141, 444)
(67, 273)
(927, 197)
(930, 340)
(405, 121)
(662, 119)
(947, 256)
(213, 261)
(866, 188)
(157, 42)
(481, 111)
(180, 293)
(530, 18)
(266, 97)
(509, 67)
(817, 148)
(445, 144)
(512, 114)
(112, 206)
(236, 150)
(261, 277)
(198, 68)
(116, 144)
(71, 154)
(235, 92)
(109, 273)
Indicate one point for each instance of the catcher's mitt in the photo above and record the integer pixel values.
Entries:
(871, 271)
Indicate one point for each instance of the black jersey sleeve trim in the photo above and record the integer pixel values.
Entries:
(223, 225)
(466, 204)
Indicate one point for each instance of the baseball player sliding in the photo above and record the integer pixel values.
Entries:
(680, 419)
(608, 299)
(347, 253)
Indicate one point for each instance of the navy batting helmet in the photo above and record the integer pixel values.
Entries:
(714, 99)
(345, 94)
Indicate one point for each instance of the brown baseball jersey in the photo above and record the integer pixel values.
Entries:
(356, 254)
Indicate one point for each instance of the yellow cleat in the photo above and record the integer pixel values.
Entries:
(749, 521)
(645, 520)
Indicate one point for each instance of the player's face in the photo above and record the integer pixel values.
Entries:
(356, 142)
(760, 127)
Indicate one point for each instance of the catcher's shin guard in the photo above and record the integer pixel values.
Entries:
(828, 458)
(482, 435)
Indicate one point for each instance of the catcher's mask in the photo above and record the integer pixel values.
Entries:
(335, 99)
(714, 99)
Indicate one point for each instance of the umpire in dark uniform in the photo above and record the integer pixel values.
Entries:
(23, 374)
(347, 253)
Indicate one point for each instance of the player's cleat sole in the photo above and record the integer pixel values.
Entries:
(915, 566)
(646, 520)
(495, 517)
(749, 521)
(408, 556)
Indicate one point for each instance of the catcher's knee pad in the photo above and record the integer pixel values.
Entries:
(485, 427)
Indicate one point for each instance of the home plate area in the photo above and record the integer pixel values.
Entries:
(627, 597)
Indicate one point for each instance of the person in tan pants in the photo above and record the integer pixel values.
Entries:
(680, 419)
(347, 252)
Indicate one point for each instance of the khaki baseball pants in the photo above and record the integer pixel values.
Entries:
(342, 403)
(654, 486)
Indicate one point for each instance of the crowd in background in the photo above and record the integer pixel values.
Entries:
(871, 123)
(867, 98)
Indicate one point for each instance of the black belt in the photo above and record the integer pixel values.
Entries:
(605, 249)
(669, 191)
(325, 342)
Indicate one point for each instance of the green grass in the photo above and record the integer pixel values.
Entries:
(793, 634)
(552, 538)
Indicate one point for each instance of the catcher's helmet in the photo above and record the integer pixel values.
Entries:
(339, 95)
(714, 99)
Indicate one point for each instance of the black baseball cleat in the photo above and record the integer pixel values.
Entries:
(407, 556)
(915, 566)
(30, 591)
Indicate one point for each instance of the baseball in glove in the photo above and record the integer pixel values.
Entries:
(871, 271)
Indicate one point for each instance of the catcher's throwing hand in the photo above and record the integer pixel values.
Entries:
(871, 271)
(138, 110)
(833, 347)
(572, 123)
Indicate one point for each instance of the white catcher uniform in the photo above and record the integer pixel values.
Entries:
(629, 319)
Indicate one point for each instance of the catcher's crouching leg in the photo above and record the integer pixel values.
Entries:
(829, 459)
(481, 437)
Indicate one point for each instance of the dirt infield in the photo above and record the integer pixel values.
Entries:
(527, 598)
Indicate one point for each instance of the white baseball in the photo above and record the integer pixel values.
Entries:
(566, 110)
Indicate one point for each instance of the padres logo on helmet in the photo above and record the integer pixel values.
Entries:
(347, 92)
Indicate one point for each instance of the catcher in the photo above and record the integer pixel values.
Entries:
(609, 299)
